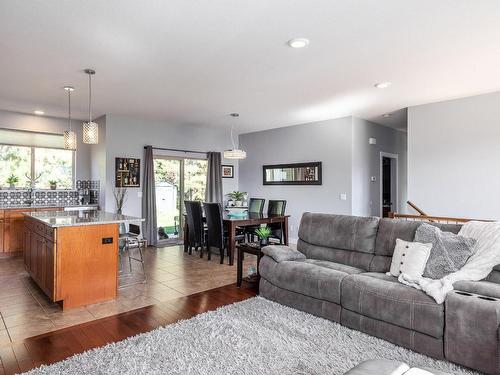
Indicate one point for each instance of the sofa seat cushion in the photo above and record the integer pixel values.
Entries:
(335, 266)
(314, 278)
(382, 297)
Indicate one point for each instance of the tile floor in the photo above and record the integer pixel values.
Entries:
(25, 311)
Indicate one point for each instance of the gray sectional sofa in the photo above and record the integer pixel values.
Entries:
(343, 278)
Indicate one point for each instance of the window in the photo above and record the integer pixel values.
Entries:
(48, 163)
(15, 160)
(54, 164)
(176, 180)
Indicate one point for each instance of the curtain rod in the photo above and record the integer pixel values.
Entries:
(177, 150)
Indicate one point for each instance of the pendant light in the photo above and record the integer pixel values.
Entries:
(69, 135)
(90, 128)
(234, 153)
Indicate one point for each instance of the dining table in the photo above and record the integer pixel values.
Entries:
(231, 222)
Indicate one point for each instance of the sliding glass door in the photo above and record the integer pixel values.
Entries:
(176, 179)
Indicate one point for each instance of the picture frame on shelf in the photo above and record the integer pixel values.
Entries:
(227, 171)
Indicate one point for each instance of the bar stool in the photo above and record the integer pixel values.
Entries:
(128, 241)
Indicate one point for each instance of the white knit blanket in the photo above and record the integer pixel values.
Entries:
(480, 264)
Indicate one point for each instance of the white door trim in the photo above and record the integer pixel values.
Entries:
(396, 201)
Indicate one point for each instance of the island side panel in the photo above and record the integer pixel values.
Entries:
(87, 269)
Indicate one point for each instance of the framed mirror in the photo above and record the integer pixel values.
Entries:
(292, 174)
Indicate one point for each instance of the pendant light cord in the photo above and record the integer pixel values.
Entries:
(232, 139)
(90, 98)
(69, 109)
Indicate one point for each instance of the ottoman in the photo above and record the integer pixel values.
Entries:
(389, 367)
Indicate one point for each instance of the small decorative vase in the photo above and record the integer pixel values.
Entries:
(53, 187)
(238, 203)
(264, 242)
(12, 186)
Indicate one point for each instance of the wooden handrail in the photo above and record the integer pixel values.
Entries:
(416, 208)
(439, 219)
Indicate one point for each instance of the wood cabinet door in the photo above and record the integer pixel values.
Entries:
(13, 231)
(27, 248)
(37, 260)
(49, 269)
(32, 253)
(2, 229)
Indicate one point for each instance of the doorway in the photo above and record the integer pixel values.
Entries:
(176, 180)
(388, 183)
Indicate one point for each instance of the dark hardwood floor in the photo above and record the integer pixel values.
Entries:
(55, 346)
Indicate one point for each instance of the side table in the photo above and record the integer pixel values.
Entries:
(250, 248)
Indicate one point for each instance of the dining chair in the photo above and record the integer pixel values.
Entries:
(196, 233)
(215, 229)
(255, 206)
(217, 235)
(276, 207)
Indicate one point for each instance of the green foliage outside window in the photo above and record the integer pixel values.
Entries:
(49, 164)
(14, 160)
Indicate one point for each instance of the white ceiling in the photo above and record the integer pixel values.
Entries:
(193, 62)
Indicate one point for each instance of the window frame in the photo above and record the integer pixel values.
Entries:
(181, 185)
(32, 161)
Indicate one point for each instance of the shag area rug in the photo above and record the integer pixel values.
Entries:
(255, 336)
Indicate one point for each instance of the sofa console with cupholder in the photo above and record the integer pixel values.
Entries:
(471, 334)
(343, 278)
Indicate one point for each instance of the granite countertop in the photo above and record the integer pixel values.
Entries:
(45, 205)
(56, 219)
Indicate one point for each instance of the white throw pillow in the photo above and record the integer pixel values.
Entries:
(410, 258)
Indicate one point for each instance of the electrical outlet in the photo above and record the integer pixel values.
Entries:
(139, 194)
(343, 197)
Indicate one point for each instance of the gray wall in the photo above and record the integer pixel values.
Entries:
(348, 163)
(454, 158)
(366, 163)
(126, 137)
(21, 121)
(326, 141)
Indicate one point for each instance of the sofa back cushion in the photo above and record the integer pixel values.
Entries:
(338, 238)
(494, 276)
(391, 229)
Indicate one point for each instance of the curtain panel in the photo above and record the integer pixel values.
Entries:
(214, 178)
(149, 199)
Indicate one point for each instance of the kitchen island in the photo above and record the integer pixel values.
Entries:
(12, 222)
(73, 255)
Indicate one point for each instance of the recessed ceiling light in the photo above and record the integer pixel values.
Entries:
(38, 112)
(387, 115)
(298, 42)
(382, 85)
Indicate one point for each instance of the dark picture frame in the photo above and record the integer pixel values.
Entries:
(127, 172)
(227, 171)
(310, 172)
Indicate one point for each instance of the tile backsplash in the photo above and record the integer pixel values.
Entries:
(49, 197)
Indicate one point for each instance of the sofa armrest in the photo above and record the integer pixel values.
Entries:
(282, 253)
(483, 288)
(471, 331)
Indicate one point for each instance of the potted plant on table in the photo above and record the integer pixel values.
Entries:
(53, 184)
(263, 233)
(238, 197)
(12, 181)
